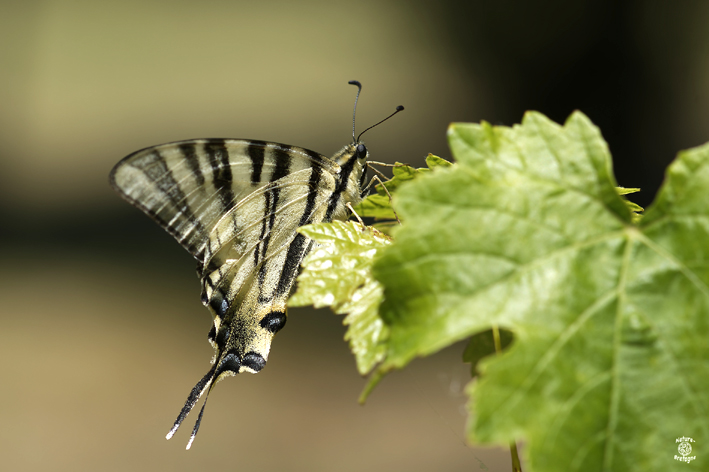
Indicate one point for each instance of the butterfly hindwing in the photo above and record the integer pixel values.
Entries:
(251, 266)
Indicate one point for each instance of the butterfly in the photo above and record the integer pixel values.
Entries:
(236, 205)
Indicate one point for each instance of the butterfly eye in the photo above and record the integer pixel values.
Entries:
(361, 151)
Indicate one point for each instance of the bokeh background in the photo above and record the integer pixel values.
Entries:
(102, 334)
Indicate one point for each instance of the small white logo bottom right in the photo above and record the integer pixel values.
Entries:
(685, 449)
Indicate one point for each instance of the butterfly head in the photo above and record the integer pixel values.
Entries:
(352, 153)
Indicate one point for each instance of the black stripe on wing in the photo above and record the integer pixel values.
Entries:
(222, 177)
(299, 247)
(257, 156)
(343, 179)
(283, 165)
(189, 149)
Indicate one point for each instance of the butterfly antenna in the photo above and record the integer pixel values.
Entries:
(354, 112)
(398, 109)
(192, 399)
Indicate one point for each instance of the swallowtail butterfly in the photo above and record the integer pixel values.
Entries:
(235, 205)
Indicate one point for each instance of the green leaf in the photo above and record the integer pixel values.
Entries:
(433, 161)
(634, 208)
(378, 205)
(626, 191)
(375, 206)
(611, 319)
(337, 273)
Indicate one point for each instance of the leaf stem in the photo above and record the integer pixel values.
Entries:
(496, 338)
(516, 466)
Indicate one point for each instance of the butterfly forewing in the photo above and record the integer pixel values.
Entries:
(188, 186)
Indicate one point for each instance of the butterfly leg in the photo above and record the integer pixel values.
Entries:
(389, 195)
(377, 171)
(349, 206)
(383, 164)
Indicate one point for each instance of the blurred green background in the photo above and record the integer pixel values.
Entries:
(102, 334)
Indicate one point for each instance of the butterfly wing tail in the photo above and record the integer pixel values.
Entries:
(204, 385)
(199, 417)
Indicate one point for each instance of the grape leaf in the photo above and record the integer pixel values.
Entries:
(433, 161)
(626, 191)
(610, 362)
(337, 273)
(378, 205)
(635, 209)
